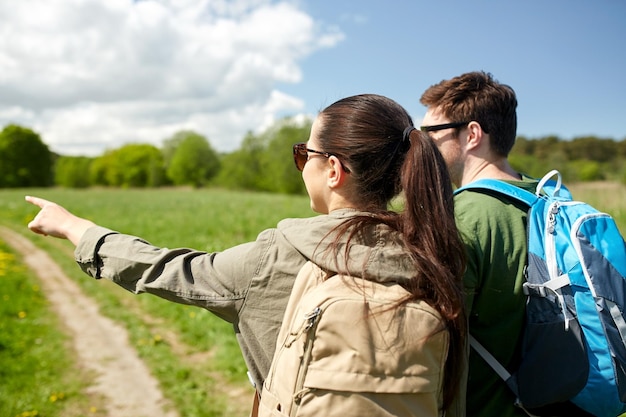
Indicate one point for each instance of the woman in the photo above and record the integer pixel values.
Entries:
(362, 152)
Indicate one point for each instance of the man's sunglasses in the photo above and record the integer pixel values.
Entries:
(301, 155)
(434, 128)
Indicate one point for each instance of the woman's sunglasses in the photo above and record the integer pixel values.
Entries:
(301, 155)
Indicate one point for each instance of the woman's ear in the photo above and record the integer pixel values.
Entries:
(336, 174)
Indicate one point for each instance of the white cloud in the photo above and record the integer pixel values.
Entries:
(92, 74)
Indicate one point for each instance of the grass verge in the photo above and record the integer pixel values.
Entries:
(38, 375)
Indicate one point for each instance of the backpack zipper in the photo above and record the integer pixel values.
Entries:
(553, 268)
(310, 323)
(553, 210)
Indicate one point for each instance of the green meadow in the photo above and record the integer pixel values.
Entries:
(193, 354)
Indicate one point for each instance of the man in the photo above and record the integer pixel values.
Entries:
(472, 119)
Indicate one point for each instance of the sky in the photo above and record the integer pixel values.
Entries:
(93, 75)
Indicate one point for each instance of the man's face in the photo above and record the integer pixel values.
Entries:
(449, 145)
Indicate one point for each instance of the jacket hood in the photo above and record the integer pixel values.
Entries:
(376, 255)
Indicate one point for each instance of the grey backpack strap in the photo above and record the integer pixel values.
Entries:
(498, 368)
(493, 362)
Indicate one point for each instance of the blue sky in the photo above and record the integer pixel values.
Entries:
(566, 60)
(90, 75)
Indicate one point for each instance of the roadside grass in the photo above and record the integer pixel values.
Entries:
(609, 197)
(193, 353)
(38, 375)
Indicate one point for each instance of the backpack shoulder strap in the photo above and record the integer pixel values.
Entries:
(510, 380)
(546, 186)
(493, 362)
(501, 187)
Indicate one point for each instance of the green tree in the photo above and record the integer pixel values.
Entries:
(168, 149)
(194, 162)
(278, 171)
(241, 169)
(621, 148)
(25, 161)
(524, 146)
(550, 148)
(132, 165)
(141, 165)
(589, 171)
(584, 158)
(103, 171)
(265, 162)
(591, 148)
(73, 171)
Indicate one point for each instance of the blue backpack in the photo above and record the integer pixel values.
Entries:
(574, 343)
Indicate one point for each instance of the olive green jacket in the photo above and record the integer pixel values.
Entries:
(247, 285)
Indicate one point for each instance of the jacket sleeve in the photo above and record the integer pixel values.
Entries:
(216, 281)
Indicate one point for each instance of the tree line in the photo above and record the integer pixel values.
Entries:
(263, 162)
(585, 158)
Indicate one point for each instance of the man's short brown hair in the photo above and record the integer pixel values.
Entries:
(477, 96)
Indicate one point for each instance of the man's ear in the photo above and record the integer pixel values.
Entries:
(336, 173)
(475, 135)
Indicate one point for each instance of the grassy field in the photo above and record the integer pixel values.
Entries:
(608, 197)
(192, 353)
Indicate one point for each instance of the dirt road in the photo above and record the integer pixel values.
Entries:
(101, 344)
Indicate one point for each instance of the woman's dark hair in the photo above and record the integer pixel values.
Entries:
(369, 134)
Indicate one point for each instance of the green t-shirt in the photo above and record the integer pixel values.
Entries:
(494, 231)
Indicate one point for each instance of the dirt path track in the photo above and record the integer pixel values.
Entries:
(101, 344)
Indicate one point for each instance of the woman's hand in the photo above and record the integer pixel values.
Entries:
(54, 220)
